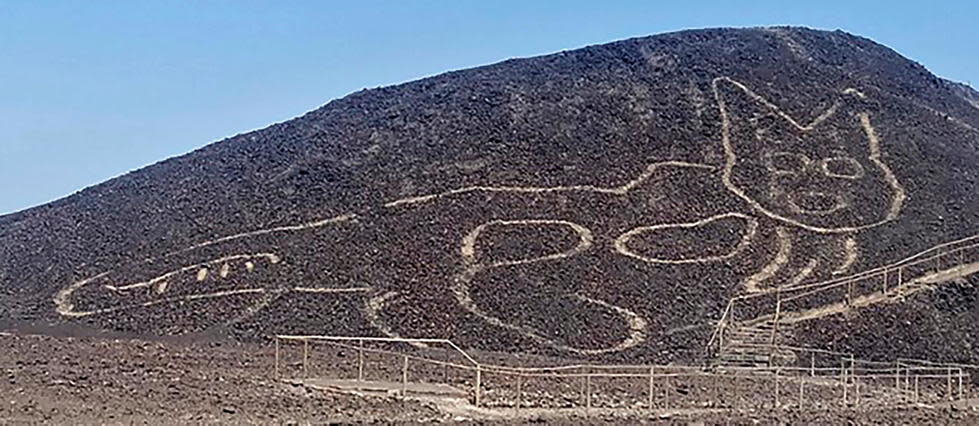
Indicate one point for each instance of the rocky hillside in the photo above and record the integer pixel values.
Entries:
(604, 202)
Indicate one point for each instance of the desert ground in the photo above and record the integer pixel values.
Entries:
(121, 380)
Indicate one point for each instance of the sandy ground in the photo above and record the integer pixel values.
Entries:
(91, 380)
(100, 380)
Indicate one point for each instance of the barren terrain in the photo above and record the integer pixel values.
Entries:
(103, 380)
(604, 205)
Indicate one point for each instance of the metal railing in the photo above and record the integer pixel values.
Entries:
(590, 386)
(792, 304)
(837, 376)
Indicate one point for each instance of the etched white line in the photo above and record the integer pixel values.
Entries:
(784, 241)
(622, 242)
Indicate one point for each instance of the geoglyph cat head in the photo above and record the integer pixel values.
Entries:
(826, 176)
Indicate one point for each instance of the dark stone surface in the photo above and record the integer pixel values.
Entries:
(595, 116)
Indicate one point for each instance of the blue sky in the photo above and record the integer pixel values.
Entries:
(93, 89)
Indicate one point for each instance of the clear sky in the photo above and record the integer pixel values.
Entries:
(92, 89)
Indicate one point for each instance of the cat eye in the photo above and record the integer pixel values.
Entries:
(842, 167)
(787, 162)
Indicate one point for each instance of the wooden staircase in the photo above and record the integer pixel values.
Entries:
(753, 345)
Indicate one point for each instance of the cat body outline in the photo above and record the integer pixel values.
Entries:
(785, 215)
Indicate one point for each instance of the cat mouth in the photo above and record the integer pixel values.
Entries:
(815, 203)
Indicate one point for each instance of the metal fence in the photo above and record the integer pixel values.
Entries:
(812, 378)
(786, 305)
(609, 387)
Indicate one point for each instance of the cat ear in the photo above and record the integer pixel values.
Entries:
(850, 121)
(749, 117)
(737, 102)
(847, 107)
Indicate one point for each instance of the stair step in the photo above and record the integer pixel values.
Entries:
(750, 335)
(758, 329)
(754, 356)
(737, 352)
(760, 342)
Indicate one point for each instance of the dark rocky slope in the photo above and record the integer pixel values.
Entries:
(563, 254)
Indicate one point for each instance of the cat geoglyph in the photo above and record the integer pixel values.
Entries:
(818, 185)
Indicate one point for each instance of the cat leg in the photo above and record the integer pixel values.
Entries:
(823, 257)
(793, 264)
(759, 280)
(850, 249)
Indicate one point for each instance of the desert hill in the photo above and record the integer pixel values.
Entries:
(605, 202)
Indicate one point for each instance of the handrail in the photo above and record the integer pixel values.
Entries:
(716, 335)
(941, 364)
(935, 253)
(846, 355)
(679, 371)
(879, 270)
(416, 358)
(382, 339)
(870, 272)
(721, 323)
(845, 375)
(483, 366)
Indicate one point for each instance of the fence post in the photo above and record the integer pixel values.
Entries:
(404, 378)
(776, 387)
(717, 387)
(277, 356)
(812, 365)
(479, 378)
(916, 388)
(720, 337)
(843, 378)
(900, 281)
(856, 389)
(948, 384)
(960, 383)
(884, 291)
(588, 391)
(802, 383)
(778, 311)
(897, 376)
(651, 387)
(306, 358)
(519, 390)
(360, 361)
(853, 376)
